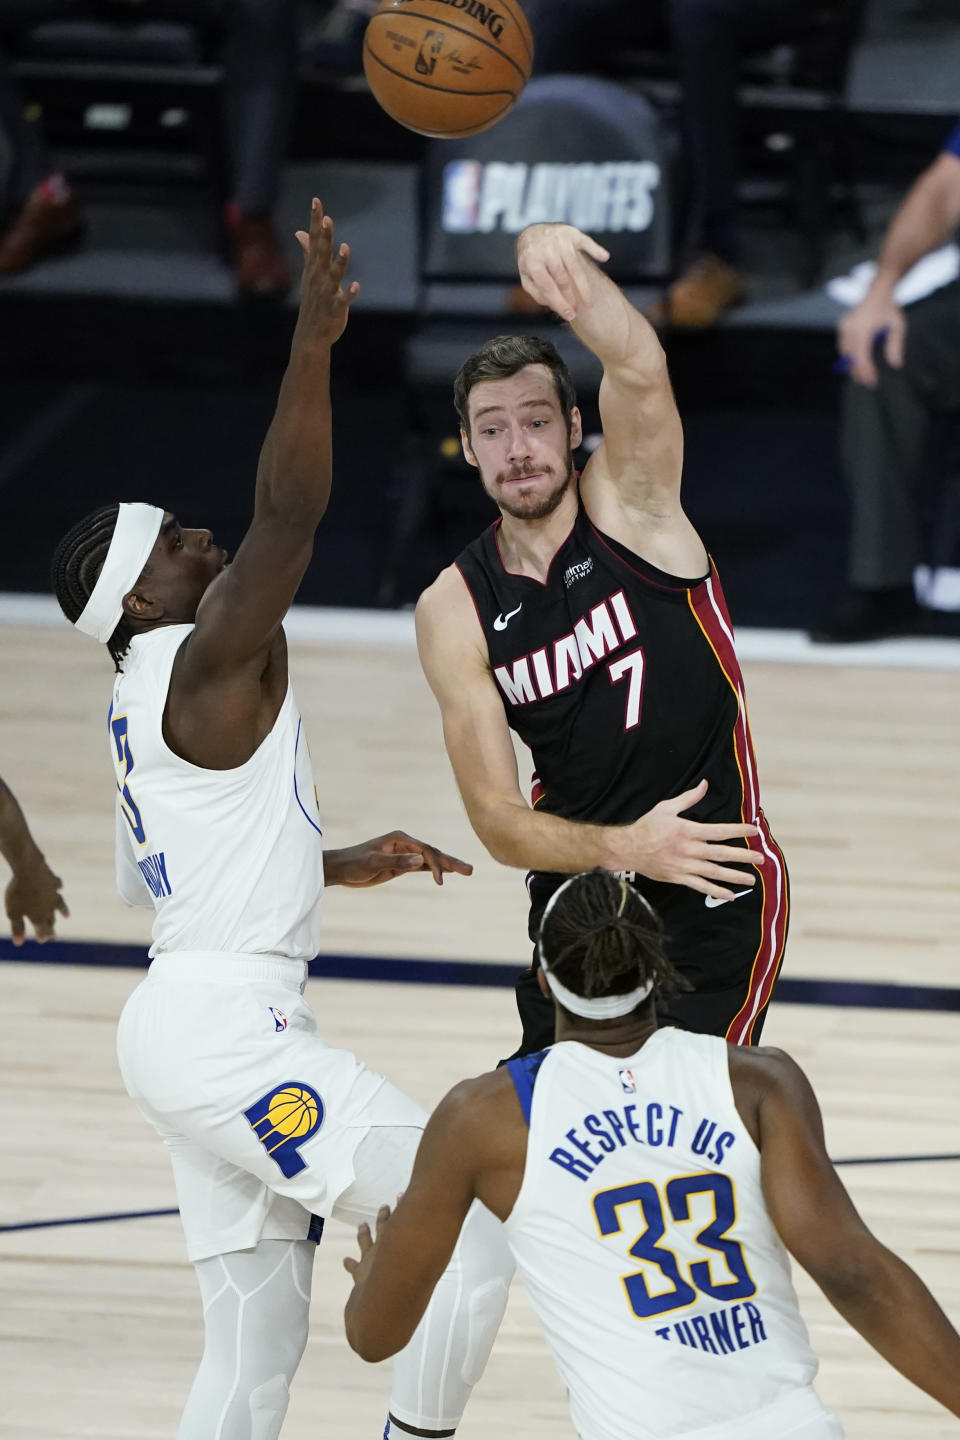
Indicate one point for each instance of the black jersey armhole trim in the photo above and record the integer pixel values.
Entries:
(659, 578)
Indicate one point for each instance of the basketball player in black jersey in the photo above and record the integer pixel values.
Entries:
(590, 620)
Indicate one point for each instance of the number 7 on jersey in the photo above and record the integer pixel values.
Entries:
(629, 667)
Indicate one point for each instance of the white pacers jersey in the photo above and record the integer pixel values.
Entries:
(646, 1249)
(232, 859)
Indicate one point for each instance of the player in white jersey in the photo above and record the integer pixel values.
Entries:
(269, 1129)
(651, 1182)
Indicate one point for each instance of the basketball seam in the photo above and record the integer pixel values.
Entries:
(523, 26)
(437, 89)
(443, 24)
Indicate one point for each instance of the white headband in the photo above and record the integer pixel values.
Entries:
(133, 539)
(599, 1007)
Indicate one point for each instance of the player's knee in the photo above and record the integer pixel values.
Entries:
(486, 1269)
(268, 1408)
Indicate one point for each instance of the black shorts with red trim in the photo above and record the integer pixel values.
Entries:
(730, 954)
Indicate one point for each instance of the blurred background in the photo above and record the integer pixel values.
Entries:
(737, 156)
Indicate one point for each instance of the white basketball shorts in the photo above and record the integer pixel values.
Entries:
(262, 1118)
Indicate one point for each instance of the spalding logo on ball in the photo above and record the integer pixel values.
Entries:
(447, 68)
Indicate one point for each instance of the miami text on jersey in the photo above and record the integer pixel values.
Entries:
(546, 672)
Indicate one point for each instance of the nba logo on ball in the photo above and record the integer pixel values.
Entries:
(462, 183)
(627, 1083)
(283, 1120)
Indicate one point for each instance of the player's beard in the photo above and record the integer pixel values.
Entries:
(536, 506)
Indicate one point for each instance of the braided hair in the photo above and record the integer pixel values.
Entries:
(77, 562)
(601, 937)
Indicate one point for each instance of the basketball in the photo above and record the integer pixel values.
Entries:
(292, 1112)
(447, 68)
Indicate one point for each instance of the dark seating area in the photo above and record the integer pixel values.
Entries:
(834, 124)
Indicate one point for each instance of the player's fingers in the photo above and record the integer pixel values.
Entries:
(350, 1265)
(62, 906)
(304, 241)
(717, 853)
(579, 278)
(706, 887)
(43, 929)
(340, 262)
(364, 1238)
(688, 799)
(727, 875)
(712, 831)
(545, 290)
(561, 274)
(595, 251)
(18, 930)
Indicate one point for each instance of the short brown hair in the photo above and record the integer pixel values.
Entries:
(506, 355)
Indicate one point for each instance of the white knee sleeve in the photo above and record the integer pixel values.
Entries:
(255, 1310)
(433, 1376)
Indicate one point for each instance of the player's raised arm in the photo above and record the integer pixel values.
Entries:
(635, 474)
(240, 614)
(879, 1295)
(661, 844)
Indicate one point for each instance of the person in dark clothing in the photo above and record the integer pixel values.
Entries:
(904, 371)
(707, 38)
(258, 53)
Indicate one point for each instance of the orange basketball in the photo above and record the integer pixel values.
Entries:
(447, 68)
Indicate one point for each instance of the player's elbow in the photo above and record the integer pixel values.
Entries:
(492, 827)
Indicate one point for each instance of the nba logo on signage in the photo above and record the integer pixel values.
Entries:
(627, 1083)
(462, 187)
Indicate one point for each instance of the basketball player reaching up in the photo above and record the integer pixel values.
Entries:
(33, 892)
(590, 620)
(268, 1127)
(658, 1327)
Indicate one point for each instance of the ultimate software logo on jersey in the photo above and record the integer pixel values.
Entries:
(612, 196)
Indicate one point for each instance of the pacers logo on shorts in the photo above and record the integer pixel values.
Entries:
(283, 1120)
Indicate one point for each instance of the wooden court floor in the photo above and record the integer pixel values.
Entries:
(99, 1323)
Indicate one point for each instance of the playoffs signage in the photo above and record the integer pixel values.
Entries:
(574, 149)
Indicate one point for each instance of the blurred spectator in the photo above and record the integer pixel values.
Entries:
(34, 891)
(258, 51)
(904, 370)
(707, 37)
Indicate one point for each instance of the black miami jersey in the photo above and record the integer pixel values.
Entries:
(624, 683)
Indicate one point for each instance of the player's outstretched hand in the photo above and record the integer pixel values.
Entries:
(553, 271)
(688, 852)
(358, 1268)
(373, 862)
(34, 895)
(324, 304)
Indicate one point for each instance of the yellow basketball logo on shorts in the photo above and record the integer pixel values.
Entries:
(283, 1120)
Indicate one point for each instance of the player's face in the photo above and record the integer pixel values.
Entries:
(182, 565)
(519, 442)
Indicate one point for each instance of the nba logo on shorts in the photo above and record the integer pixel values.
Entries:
(283, 1120)
(280, 1021)
(627, 1083)
(462, 183)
